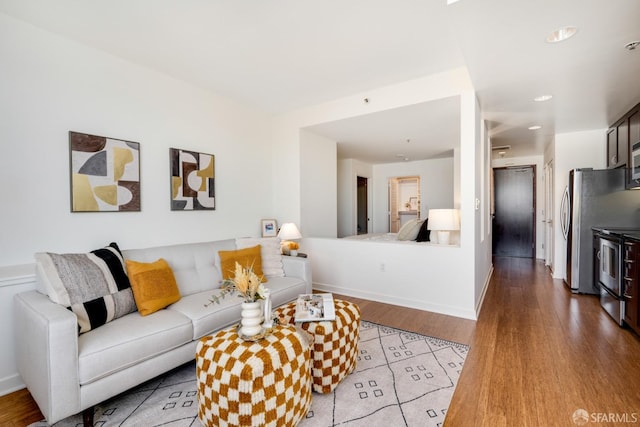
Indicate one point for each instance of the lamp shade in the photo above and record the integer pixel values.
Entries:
(443, 219)
(289, 231)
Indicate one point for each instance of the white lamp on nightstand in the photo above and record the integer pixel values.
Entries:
(289, 231)
(443, 221)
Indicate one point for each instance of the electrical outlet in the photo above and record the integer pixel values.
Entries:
(383, 267)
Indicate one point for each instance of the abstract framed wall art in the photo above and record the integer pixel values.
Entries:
(105, 174)
(192, 180)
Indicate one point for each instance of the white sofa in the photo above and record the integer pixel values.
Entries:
(67, 373)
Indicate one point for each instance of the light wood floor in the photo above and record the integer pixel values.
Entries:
(538, 353)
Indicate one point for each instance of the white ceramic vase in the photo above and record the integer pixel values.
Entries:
(251, 318)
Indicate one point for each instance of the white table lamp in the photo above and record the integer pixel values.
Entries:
(288, 231)
(443, 221)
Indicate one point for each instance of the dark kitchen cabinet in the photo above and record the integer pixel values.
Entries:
(618, 145)
(621, 137)
(634, 127)
(631, 283)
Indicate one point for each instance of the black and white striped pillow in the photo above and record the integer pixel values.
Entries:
(93, 285)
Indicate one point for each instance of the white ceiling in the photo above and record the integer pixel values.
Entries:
(280, 55)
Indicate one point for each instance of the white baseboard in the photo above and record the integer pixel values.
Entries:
(11, 384)
(13, 279)
(395, 300)
(484, 292)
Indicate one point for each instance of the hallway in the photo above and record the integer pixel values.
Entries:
(539, 353)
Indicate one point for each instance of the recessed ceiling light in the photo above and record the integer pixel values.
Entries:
(542, 98)
(632, 45)
(561, 34)
(534, 127)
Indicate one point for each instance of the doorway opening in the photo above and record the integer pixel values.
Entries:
(515, 213)
(404, 201)
(362, 202)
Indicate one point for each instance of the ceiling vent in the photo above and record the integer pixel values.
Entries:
(501, 147)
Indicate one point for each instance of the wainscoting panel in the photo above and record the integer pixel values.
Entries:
(13, 280)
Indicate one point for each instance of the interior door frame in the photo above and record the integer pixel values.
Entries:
(533, 202)
(548, 214)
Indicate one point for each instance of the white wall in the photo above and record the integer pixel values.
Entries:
(407, 274)
(436, 187)
(51, 85)
(538, 162)
(459, 271)
(318, 186)
(348, 172)
(572, 150)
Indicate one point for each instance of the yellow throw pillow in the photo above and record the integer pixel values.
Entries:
(248, 257)
(153, 284)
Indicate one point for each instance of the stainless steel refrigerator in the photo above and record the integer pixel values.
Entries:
(593, 198)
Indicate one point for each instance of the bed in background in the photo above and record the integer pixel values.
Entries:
(413, 231)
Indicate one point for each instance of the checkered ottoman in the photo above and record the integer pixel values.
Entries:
(263, 383)
(335, 343)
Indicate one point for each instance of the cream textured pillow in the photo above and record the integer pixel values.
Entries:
(269, 251)
(410, 230)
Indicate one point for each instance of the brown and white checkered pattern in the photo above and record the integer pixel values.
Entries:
(263, 383)
(335, 343)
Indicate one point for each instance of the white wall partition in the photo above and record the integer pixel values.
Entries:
(464, 275)
(417, 275)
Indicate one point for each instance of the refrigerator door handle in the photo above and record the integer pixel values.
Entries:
(564, 213)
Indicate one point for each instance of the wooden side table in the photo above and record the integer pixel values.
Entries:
(262, 383)
(335, 343)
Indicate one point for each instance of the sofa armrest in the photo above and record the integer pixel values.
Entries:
(46, 337)
(298, 267)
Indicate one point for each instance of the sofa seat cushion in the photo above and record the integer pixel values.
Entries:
(208, 317)
(285, 289)
(129, 340)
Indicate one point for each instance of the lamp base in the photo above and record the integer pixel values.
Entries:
(443, 237)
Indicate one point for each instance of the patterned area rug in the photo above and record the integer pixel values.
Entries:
(401, 379)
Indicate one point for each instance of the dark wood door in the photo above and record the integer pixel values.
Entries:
(362, 203)
(514, 220)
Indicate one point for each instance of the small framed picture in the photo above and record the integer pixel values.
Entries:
(269, 228)
(413, 203)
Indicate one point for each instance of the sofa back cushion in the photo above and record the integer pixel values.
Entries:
(195, 266)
